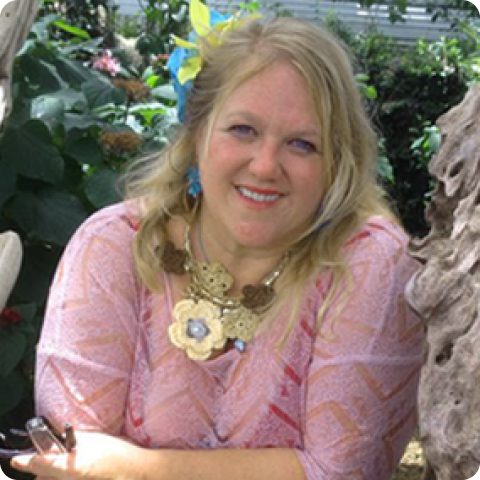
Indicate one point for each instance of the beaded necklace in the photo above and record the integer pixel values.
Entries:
(208, 317)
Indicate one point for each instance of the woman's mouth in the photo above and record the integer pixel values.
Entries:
(260, 196)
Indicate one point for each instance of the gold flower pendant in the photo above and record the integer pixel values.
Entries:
(197, 328)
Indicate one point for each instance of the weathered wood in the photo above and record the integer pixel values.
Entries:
(16, 18)
(446, 293)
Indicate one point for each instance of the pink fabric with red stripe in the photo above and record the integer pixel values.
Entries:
(343, 397)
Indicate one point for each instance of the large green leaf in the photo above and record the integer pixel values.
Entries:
(91, 47)
(27, 311)
(74, 120)
(100, 188)
(11, 391)
(38, 266)
(30, 151)
(48, 109)
(100, 92)
(72, 99)
(41, 76)
(58, 216)
(12, 348)
(71, 71)
(50, 215)
(8, 181)
(23, 211)
(85, 150)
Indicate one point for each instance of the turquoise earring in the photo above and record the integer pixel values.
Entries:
(194, 187)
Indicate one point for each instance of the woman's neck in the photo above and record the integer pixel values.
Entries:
(246, 265)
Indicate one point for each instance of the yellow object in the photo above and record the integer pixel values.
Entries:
(200, 20)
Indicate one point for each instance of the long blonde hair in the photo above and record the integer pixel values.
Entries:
(348, 145)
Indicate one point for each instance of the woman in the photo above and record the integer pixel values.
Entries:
(248, 321)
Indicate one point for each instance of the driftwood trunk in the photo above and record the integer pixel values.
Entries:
(446, 293)
(16, 18)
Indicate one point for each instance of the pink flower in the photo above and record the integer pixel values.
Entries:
(107, 63)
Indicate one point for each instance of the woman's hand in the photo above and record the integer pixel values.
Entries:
(97, 456)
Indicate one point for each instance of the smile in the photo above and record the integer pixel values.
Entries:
(258, 197)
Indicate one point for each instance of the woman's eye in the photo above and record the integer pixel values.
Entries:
(242, 130)
(303, 145)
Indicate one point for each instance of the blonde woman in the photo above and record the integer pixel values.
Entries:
(241, 316)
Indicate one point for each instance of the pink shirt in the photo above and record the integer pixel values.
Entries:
(344, 397)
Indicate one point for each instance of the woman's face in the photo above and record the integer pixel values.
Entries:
(261, 170)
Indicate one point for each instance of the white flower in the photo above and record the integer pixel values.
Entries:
(197, 328)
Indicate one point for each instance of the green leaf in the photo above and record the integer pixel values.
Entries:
(85, 150)
(76, 31)
(12, 348)
(148, 110)
(41, 76)
(36, 274)
(58, 216)
(11, 391)
(100, 188)
(29, 150)
(99, 92)
(8, 182)
(72, 72)
(91, 47)
(164, 91)
(48, 109)
(434, 139)
(23, 211)
(148, 72)
(50, 215)
(27, 311)
(73, 120)
(385, 169)
(40, 27)
(72, 99)
(370, 92)
(152, 80)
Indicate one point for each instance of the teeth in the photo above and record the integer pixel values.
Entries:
(258, 197)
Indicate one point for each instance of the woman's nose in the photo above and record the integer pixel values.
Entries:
(265, 162)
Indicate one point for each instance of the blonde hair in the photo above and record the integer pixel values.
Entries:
(348, 146)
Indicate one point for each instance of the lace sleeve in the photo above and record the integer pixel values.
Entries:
(85, 353)
(362, 382)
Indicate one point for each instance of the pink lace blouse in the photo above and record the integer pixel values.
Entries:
(343, 397)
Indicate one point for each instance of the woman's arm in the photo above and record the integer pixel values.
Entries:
(99, 456)
(86, 350)
(362, 382)
(234, 464)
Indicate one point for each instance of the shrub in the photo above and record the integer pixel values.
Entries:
(415, 84)
(70, 134)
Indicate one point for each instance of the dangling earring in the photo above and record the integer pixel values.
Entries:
(194, 187)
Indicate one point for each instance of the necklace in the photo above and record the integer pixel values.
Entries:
(208, 317)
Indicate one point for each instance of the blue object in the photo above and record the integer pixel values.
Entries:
(194, 187)
(177, 59)
(197, 329)
(240, 345)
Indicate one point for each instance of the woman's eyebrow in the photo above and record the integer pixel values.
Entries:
(249, 117)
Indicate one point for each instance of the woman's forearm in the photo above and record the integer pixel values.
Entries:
(234, 464)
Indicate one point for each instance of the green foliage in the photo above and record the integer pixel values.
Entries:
(70, 134)
(446, 9)
(162, 20)
(89, 16)
(414, 86)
